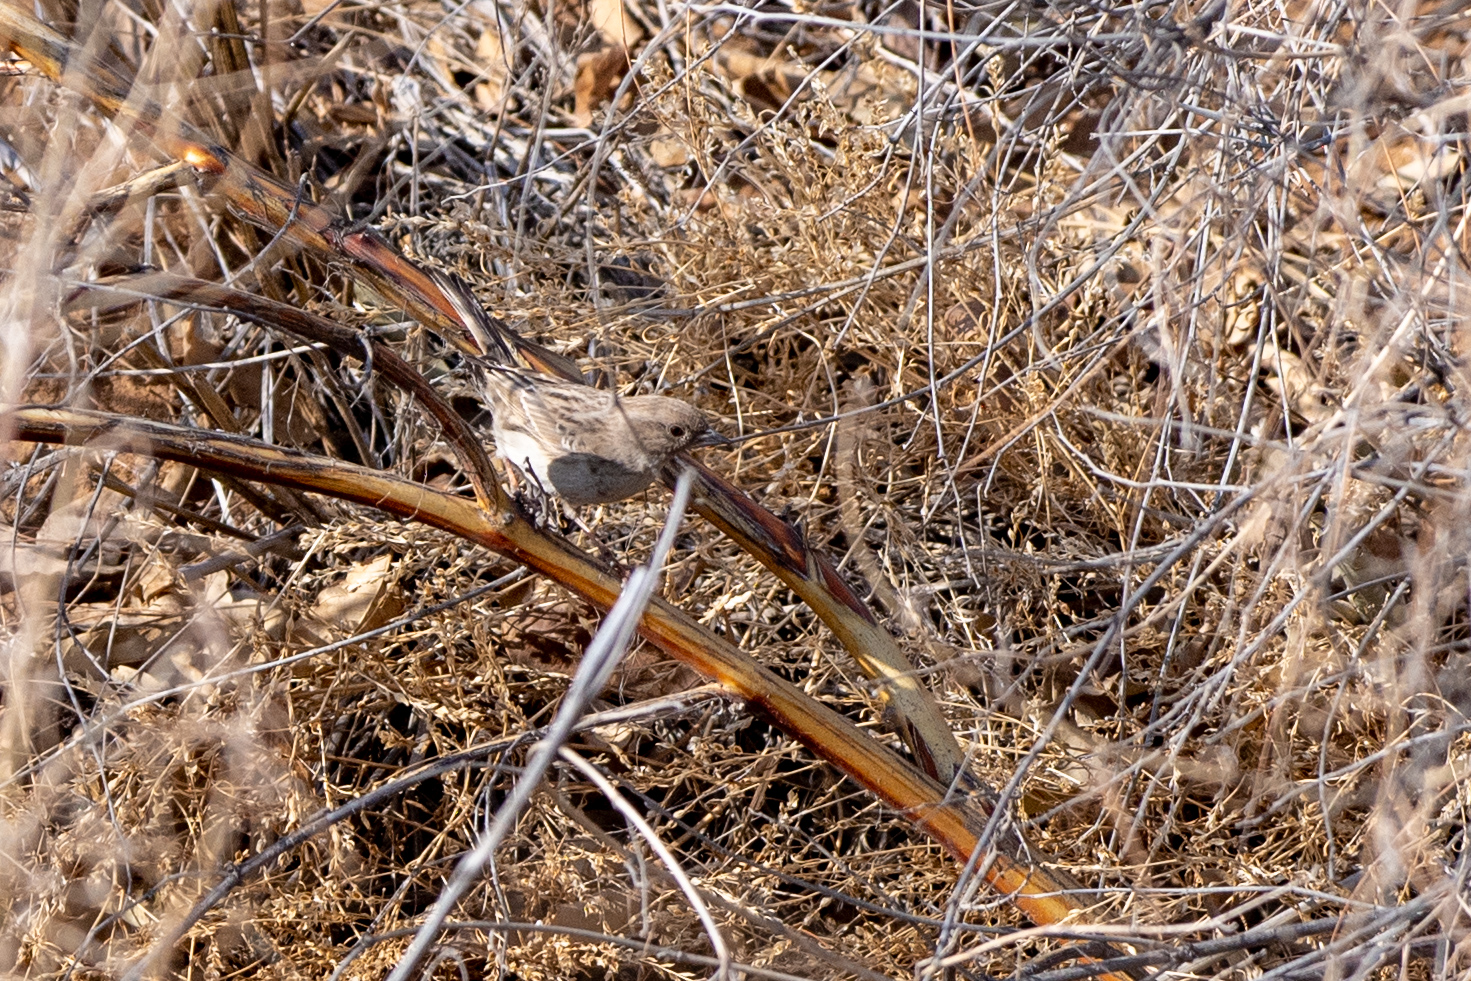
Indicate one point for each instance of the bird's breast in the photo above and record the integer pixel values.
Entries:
(586, 478)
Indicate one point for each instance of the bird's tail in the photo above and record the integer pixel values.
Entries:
(488, 334)
(498, 343)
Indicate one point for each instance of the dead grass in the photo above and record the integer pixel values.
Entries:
(1128, 341)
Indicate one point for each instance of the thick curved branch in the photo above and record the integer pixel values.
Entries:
(955, 823)
(264, 201)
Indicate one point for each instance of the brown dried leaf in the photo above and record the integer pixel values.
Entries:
(598, 75)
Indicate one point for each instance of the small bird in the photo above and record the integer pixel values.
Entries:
(587, 445)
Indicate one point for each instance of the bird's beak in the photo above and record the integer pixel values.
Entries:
(710, 438)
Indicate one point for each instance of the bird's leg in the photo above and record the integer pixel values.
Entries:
(530, 497)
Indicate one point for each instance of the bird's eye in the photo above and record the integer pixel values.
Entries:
(677, 432)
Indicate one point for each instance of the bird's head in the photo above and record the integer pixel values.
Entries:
(665, 426)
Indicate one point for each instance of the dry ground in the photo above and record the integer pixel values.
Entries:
(1175, 515)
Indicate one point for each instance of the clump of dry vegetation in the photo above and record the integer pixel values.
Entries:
(1113, 353)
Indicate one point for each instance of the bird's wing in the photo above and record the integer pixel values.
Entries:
(557, 412)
